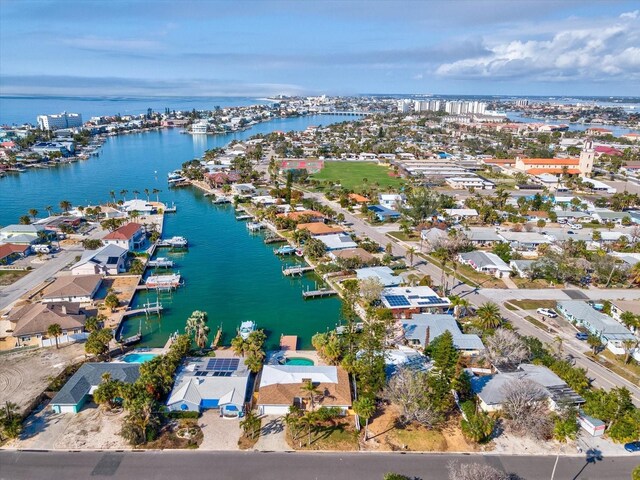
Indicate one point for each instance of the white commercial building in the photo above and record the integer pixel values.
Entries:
(59, 121)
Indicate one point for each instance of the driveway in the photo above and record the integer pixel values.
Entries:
(219, 433)
(42, 429)
(272, 435)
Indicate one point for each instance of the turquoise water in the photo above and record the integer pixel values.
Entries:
(138, 357)
(299, 361)
(229, 273)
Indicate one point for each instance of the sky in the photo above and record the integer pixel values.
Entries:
(338, 47)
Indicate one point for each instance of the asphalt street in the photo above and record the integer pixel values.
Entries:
(200, 465)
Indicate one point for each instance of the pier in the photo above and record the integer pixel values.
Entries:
(292, 271)
(160, 262)
(147, 308)
(323, 292)
(254, 226)
(244, 217)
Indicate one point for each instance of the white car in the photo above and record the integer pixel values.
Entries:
(547, 312)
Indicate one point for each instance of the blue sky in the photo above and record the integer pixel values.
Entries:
(245, 47)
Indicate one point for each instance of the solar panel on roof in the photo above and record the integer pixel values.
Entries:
(223, 364)
(397, 300)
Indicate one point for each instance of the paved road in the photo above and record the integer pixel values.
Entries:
(283, 466)
(13, 292)
(601, 376)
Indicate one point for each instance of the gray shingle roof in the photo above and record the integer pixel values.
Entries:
(416, 329)
(90, 375)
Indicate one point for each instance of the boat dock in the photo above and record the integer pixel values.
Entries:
(323, 292)
(244, 217)
(160, 262)
(296, 270)
(147, 308)
(254, 226)
(286, 250)
(288, 343)
(273, 239)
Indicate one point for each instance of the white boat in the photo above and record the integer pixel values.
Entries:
(177, 242)
(173, 280)
(246, 328)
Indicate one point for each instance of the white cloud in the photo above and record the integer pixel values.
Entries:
(594, 52)
(631, 15)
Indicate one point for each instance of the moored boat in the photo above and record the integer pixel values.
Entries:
(246, 328)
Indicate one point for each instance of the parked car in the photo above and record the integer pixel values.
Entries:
(632, 447)
(547, 312)
(582, 336)
(571, 232)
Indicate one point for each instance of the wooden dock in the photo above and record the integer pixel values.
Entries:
(288, 343)
(146, 309)
(292, 271)
(323, 292)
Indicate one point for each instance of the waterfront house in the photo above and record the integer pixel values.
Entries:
(356, 255)
(485, 262)
(243, 189)
(130, 236)
(307, 216)
(107, 260)
(422, 329)
(281, 387)
(30, 323)
(610, 332)
(337, 241)
(211, 383)
(79, 388)
(383, 213)
(490, 389)
(60, 222)
(10, 252)
(72, 288)
(137, 205)
(317, 229)
(405, 301)
(383, 274)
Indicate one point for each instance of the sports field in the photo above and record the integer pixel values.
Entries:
(351, 174)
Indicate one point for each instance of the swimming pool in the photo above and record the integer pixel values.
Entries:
(138, 357)
(299, 361)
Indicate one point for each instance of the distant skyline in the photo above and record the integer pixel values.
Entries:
(260, 48)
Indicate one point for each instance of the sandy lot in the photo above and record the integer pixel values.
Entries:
(219, 433)
(24, 375)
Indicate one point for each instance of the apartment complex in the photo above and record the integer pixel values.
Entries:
(59, 121)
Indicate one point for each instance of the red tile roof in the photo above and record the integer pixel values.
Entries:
(11, 248)
(550, 161)
(553, 171)
(125, 232)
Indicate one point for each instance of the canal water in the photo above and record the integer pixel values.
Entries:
(616, 130)
(229, 273)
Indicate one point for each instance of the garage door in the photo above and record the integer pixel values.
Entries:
(67, 409)
(274, 409)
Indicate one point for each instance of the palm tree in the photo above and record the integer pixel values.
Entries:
(49, 209)
(239, 346)
(629, 346)
(634, 274)
(112, 194)
(136, 193)
(197, 326)
(310, 391)
(134, 214)
(54, 330)
(411, 251)
(34, 213)
(595, 343)
(489, 316)
(250, 424)
(24, 220)
(124, 192)
(365, 407)
(156, 192)
(146, 192)
(65, 205)
(460, 306)
(629, 320)
(10, 420)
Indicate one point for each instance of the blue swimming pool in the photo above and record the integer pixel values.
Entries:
(138, 357)
(301, 361)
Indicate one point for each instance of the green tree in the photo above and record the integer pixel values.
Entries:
(54, 330)
(98, 342)
(65, 205)
(489, 316)
(197, 326)
(444, 354)
(34, 213)
(502, 250)
(93, 324)
(595, 343)
(566, 426)
(137, 267)
(310, 391)
(10, 421)
(478, 426)
(250, 424)
(25, 220)
(111, 301)
(314, 248)
(365, 407)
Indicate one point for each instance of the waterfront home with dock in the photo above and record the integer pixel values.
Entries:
(107, 260)
(22, 234)
(75, 393)
(72, 288)
(211, 383)
(422, 329)
(317, 229)
(281, 387)
(30, 323)
(337, 241)
(130, 236)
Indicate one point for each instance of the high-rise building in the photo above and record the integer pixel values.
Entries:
(404, 106)
(57, 122)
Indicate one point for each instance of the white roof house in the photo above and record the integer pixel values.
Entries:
(391, 200)
(383, 274)
(206, 383)
(337, 241)
(485, 262)
(413, 299)
(108, 260)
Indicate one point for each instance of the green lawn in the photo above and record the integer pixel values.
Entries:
(351, 174)
(534, 304)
